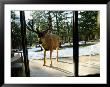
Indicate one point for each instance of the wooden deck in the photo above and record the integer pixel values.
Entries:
(17, 65)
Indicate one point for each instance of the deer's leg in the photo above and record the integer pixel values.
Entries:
(51, 57)
(57, 54)
(44, 57)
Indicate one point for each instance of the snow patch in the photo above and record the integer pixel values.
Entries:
(66, 52)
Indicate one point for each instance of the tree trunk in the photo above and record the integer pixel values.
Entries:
(50, 22)
(57, 23)
(24, 43)
(85, 41)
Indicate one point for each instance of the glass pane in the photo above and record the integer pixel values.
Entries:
(38, 38)
(89, 43)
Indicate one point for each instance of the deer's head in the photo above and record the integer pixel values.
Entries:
(42, 35)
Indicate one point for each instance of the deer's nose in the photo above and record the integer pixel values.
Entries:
(40, 42)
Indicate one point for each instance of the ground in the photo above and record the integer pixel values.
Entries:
(65, 67)
(89, 62)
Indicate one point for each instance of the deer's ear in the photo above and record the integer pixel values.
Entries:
(45, 31)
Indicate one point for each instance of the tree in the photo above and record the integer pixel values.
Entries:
(15, 31)
(31, 37)
(58, 21)
(40, 19)
(24, 43)
(88, 29)
(62, 24)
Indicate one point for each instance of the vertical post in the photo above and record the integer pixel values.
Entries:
(24, 43)
(75, 43)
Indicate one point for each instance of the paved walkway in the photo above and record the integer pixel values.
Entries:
(64, 67)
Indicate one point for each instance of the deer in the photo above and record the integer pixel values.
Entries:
(49, 42)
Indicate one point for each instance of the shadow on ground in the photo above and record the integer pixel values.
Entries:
(59, 69)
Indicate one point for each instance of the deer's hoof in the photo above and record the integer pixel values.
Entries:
(44, 65)
(57, 59)
(50, 65)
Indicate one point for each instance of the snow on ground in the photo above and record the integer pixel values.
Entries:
(90, 50)
(66, 52)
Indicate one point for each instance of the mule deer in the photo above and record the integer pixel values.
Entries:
(49, 42)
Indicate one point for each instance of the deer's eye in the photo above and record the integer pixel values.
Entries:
(40, 42)
(40, 35)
